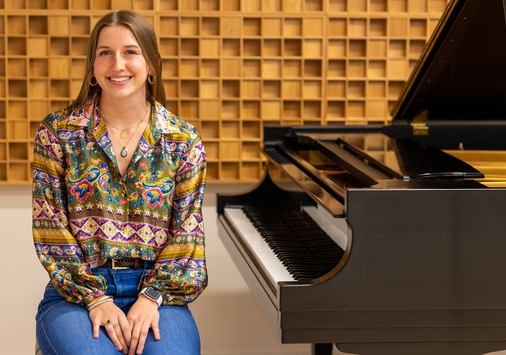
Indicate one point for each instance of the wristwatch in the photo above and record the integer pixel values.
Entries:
(152, 294)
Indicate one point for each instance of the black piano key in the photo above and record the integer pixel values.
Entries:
(301, 245)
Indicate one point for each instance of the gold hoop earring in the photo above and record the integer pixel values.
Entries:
(91, 81)
(151, 80)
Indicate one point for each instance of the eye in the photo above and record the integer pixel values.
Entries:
(131, 51)
(104, 52)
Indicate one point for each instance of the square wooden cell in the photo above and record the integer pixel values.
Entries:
(231, 88)
(251, 88)
(251, 68)
(190, 46)
(252, 26)
(169, 26)
(250, 150)
(17, 67)
(80, 25)
(336, 89)
(228, 170)
(337, 27)
(229, 129)
(231, 5)
(189, 68)
(190, 88)
(271, 89)
(338, 5)
(336, 109)
(38, 88)
(17, 88)
(209, 129)
(272, 26)
(312, 109)
(210, 26)
(210, 88)
(16, 46)
(251, 129)
(37, 25)
(312, 89)
(230, 109)
(189, 26)
(313, 5)
(271, 109)
(271, 68)
(210, 68)
(250, 109)
(210, 109)
(231, 47)
(210, 5)
(230, 151)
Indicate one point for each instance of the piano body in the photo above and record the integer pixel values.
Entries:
(390, 239)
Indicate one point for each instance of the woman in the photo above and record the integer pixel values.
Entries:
(118, 184)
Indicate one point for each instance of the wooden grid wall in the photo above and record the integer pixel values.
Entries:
(230, 66)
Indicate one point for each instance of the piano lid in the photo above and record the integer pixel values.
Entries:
(461, 75)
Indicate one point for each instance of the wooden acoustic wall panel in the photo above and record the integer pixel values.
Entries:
(230, 67)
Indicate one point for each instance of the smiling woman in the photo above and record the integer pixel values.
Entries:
(117, 206)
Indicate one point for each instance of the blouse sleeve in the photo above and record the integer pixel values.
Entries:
(56, 247)
(180, 271)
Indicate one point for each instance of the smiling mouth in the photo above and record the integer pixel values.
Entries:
(118, 80)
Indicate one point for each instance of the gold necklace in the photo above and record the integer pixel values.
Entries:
(122, 131)
(124, 149)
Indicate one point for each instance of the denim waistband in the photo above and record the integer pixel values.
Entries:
(123, 283)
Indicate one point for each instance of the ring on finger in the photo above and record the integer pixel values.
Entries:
(108, 322)
(115, 325)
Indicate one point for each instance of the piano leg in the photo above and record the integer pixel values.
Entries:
(322, 349)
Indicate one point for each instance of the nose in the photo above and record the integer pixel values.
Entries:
(118, 62)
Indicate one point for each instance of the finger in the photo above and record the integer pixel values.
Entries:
(121, 336)
(96, 329)
(142, 339)
(156, 331)
(139, 335)
(134, 338)
(116, 337)
(125, 330)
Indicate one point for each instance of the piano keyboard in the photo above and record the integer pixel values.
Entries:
(267, 260)
(288, 244)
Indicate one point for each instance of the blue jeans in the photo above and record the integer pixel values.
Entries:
(64, 328)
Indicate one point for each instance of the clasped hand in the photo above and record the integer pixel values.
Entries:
(127, 332)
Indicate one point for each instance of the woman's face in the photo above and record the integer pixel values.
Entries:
(120, 67)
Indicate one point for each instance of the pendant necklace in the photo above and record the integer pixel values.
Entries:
(122, 133)
(124, 149)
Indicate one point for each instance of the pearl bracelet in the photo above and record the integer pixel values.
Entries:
(98, 303)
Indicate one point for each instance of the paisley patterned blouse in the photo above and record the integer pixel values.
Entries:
(85, 211)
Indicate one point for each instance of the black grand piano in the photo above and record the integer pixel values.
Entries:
(390, 239)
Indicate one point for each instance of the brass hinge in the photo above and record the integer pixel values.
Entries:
(419, 124)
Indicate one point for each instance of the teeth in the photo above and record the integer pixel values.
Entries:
(120, 79)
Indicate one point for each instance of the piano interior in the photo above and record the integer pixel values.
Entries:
(383, 154)
(492, 163)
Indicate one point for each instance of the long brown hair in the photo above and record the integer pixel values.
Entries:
(146, 37)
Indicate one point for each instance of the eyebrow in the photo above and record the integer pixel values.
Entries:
(127, 46)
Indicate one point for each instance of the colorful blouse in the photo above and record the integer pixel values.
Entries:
(85, 211)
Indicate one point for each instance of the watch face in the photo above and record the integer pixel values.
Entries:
(152, 293)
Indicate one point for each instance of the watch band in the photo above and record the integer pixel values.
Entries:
(152, 294)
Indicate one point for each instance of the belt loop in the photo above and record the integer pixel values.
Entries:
(136, 263)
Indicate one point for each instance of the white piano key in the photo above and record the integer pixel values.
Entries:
(268, 261)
